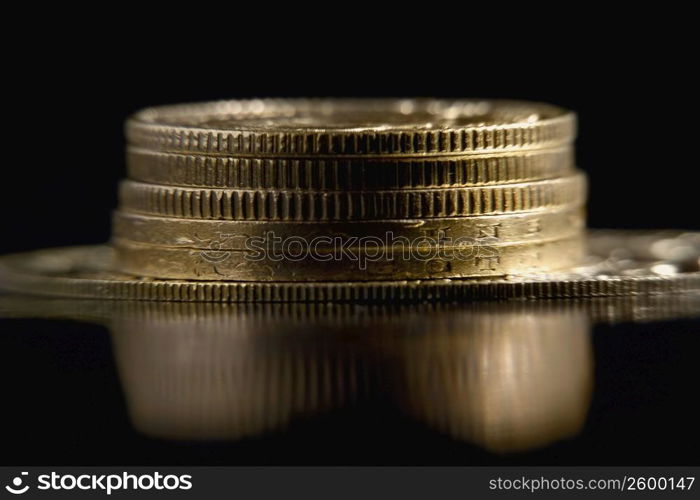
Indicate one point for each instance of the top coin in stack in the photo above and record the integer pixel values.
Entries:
(350, 127)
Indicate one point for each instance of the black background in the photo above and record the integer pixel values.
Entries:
(72, 81)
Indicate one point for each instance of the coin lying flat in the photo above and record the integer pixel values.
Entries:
(615, 309)
(301, 263)
(350, 127)
(335, 174)
(297, 205)
(232, 235)
(621, 263)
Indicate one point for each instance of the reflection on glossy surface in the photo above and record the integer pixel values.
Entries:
(507, 377)
(228, 377)
(506, 380)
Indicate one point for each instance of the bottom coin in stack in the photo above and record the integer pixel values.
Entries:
(620, 263)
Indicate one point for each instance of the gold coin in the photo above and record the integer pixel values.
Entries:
(298, 205)
(89, 272)
(300, 262)
(350, 127)
(336, 174)
(233, 316)
(232, 235)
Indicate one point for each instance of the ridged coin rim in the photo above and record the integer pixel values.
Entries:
(337, 174)
(308, 205)
(150, 129)
(232, 234)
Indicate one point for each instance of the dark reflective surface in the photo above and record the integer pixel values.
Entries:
(586, 382)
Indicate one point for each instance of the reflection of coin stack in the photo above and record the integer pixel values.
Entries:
(507, 381)
(228, 376)
(334, 190)
(507, 377)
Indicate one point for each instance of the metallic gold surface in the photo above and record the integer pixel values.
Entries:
(217, 235)
(606, 310)
(349, 127)
(291, 205)
(475, 260)
(196, 379)
(621, 263)
(334, 174)
(506, 382)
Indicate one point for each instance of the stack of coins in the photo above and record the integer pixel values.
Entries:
(349, 190)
